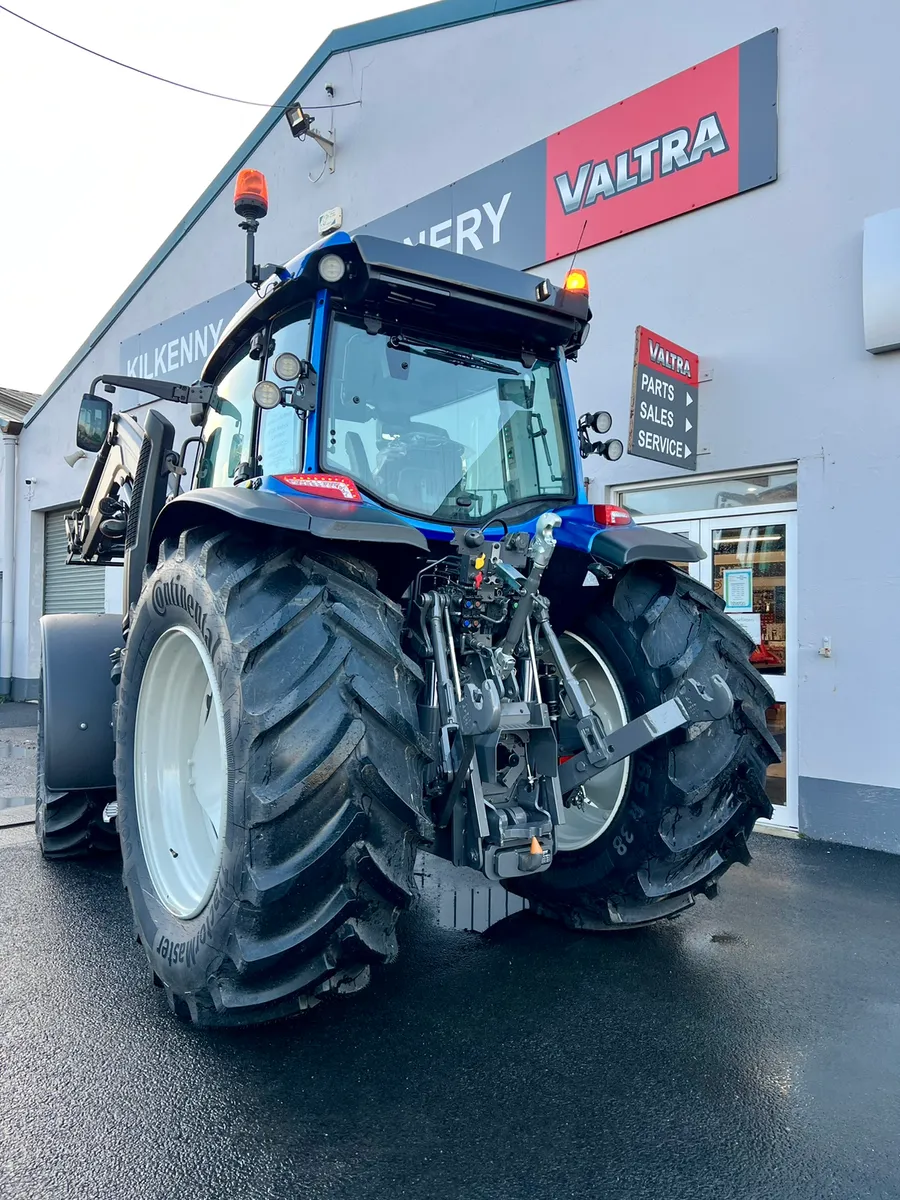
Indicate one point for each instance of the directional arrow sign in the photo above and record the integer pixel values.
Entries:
(663, 388)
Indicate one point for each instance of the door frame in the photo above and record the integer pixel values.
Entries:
(698, 526)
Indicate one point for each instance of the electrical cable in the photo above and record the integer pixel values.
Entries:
(161, 78)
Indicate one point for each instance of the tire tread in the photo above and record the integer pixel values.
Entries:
(706, 795)
(329, 864)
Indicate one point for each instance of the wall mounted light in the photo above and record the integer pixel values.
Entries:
(301, 125)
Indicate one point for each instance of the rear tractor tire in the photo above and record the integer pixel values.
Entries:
(71, 824)
(270, 773)
(645, 838)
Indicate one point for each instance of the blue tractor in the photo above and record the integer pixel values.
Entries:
(384, 617)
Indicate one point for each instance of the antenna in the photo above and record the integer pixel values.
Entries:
(578, 245)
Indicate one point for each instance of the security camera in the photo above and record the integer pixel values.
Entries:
(30, 482)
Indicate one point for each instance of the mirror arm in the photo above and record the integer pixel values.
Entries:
(180, 393)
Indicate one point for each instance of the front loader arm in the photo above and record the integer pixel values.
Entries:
(123, 496)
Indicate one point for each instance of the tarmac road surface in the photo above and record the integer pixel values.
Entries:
(749, 1049)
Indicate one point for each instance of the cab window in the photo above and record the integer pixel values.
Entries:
(281, 430)
(228, 432)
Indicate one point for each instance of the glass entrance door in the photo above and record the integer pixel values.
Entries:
(685, 529)
(751, 563)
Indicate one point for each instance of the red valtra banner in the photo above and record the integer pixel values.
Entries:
(671, 148)
(701, 136)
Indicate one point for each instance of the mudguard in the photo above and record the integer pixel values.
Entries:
(620, 545)
(337, 520)
(77, 695)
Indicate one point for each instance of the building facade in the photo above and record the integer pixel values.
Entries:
(724, 180)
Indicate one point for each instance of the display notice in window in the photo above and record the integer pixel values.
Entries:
(751, 623)
(737, 586)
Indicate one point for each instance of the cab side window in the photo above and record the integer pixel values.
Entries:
(280, 439)
(227, 433)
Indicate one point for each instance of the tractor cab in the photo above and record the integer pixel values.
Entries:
(426, 383)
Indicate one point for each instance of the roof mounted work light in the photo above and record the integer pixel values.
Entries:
(332, 268)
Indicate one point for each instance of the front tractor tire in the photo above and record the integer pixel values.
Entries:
(269, 770)
(644, 839)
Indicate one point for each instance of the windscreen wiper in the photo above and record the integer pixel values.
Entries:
(459, 358)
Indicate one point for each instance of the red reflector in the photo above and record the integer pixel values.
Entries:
(332, 487)
(611, 514)
(565, 758)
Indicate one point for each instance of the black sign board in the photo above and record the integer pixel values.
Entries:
(664, 401)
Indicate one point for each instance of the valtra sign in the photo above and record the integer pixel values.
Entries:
(703, 135)
(664, 401)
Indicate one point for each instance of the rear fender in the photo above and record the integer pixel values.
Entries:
(77, 696)
(584, 541)
(620, 545)
(389, 542)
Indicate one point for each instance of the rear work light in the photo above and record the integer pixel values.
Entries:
(331, 487)
(332, 268)
(576, 281)
(251, 195)
(611, 514)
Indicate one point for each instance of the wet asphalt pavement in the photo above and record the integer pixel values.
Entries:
(748, 1049)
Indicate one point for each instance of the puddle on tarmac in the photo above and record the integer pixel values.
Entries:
(461, 904)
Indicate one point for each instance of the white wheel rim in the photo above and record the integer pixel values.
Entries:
(603, 795)
(181, 771)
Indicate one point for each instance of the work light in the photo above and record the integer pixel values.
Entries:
(332, 268)
(287, 366)
(267, 394)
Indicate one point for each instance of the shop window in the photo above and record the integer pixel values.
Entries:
(700, 495)
(749, 572)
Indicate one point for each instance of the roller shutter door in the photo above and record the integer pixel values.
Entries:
(68, 589)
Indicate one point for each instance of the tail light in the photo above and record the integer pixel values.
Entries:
(611, 514)
(332, 487)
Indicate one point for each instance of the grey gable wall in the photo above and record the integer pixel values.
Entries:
(441, 15)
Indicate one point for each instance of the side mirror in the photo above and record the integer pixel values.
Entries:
(94, 417)
(518, 391)
(234, 454)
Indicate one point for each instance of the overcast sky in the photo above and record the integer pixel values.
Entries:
(97, 164)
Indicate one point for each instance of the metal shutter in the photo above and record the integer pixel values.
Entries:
(68, 589)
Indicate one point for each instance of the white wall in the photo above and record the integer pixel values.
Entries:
(765, 286)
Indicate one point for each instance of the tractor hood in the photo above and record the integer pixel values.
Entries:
(467, 297)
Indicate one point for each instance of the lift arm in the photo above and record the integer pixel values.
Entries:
(123, 496)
